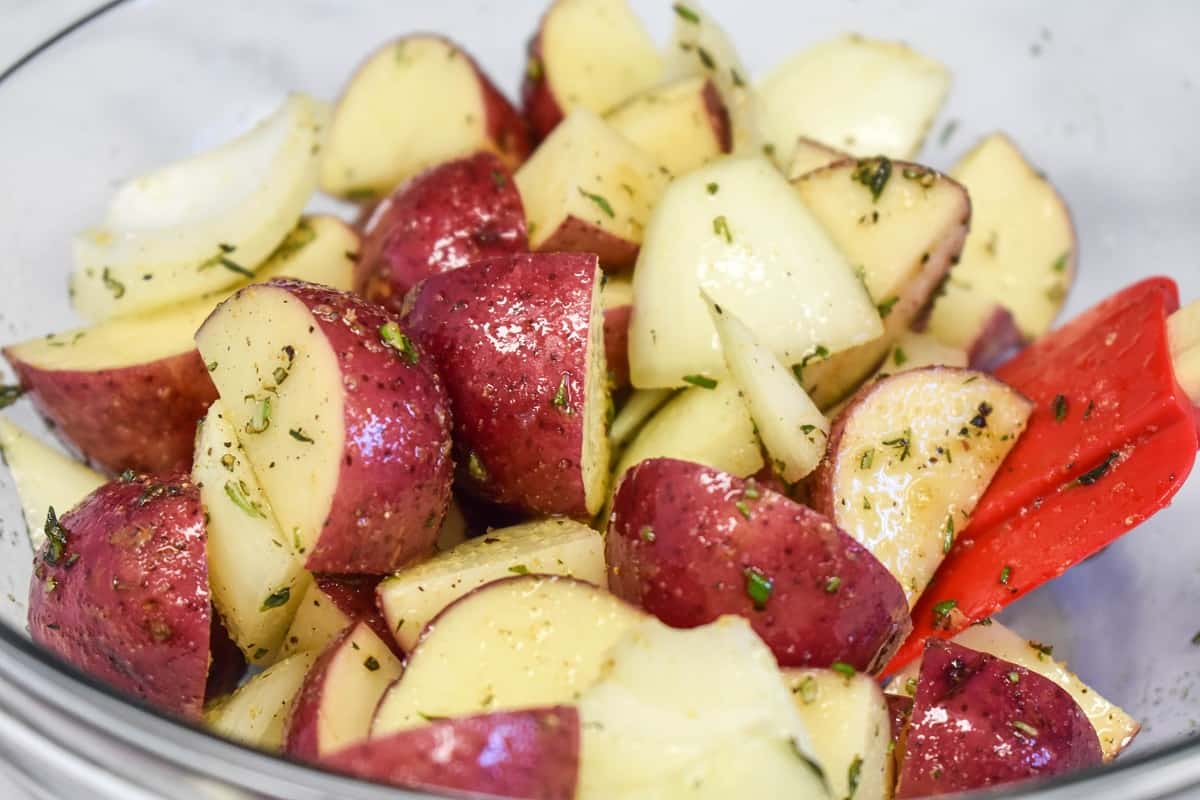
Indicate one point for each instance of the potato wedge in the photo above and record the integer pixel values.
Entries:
(865, 96)
(639, 407)
(588, 189)
(682, 125)
(810, 155)
(908, 460)
(849, 721)
(653, 726)
(411, 598)
(1114, 726)
(737, 230)
(1183, 328)
(616, 298)
(974, 322)
(515, 643)
(202, 224)
(375, 139)
(334, 705)
(256, 713)
(44, 477)
(330, 606)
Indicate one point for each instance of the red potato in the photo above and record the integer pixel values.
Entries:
(345, 422)
(126, 393)
(376, 141)
(899, 712)
(120, 591)
(447, 217)
(974, 322)
(532, 753)
(330, 606)
(334, 705)
(586, 53)
(519, 344)
(688, 543)
(979, 721)
(682, 125)
(616, 298)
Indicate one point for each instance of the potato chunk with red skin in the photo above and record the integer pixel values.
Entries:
(979, 721)
(449, 216)
(125, 597)
(688, 543)
(519, 344)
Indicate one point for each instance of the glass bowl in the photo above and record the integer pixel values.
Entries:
(1101, 95)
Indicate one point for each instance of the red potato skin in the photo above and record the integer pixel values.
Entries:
(997, 339)
(718, 116)
(899, 712)
(506, 334)
(542, 111)
(707, 533)
(228, 664)
(354, 596)
(389, 500)
(128, 601)
(141, 417)
(447, 217)
(974, 727)
(616, 344)
(531, 754)
(575, 235)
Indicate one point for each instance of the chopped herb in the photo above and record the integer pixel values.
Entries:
(211, 366)
(277, 599)
(1025, 728)
(808, 761)
(1044, 650)
(647, 534)
(300, 436)
(600, 202)
(299, 238)
(360, 194)
(1005, 575)
(519, 569)
(867, 459)
(1196, 640)
(533, 68)
(10, 395)
(562, 395)
(925, 178)
(758, 587)
(56, 538)
(261, 419)
(1056, 293)
(843, 669)
(970, 380)
(885, 308)
(702, 381)
(371, 663)
(867, 503)
(742, 508)
(1014, 677)
(721, 228)
(910, 686)
(260, 652)
(128, 475)
(901, 443)
(1091, 476)
(706, 58)
(833, 584)
(430, 717)
(712, 188)
(941, 612)
(686, 14)
(112, 284)
(854, 773)
(947, 132)
(233, 266)
(1060, 263)
(391, 335)
(499, 179)
(1091, 406)
(807, 428)
(873, 173)
(239, 493)
(736, 77)
(807, 689)
(819, 352)
(1060, 408)
(476, 469)
(948, 535)
(980, 419)
(751, 489)
(899, 357)
(768, 150)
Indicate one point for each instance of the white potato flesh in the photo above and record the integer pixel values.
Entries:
(864, 96)
(914, 350)
(375, 139)
(912, 462)
(961, 315)
(454, 528)
(517, 643)
(737, 230)
(411, 598)
(708, 426)
(197, 226)
(1114, 726)
(792, 428)
(320, 249)
(901, 239)
(616, 291)
(318, 621)
(45, 478)
(699, 46)
(640, 406)
(810, 155)
(255, 571)
(1022, 251)
(672, 124)
(358, 674)
(310, 399)
(595, 54)
(850, 726)
(1183, 331)
(596, 456)
(256, 713)
(654, 725)
(585, 170)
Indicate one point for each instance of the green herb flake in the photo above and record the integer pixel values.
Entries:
(1061, 408)
(211, 366)
(1090, 477)
(277, 599)
(833, 584)
(297, 239)
(519, 569)
(600, 202)
(112, 284)
(1025, 728)
(948, 535)
(867, 504)
(259, 653)
(853, 776)
(902, 444)
(371, 663)
(499, 179)
(721, 228)
(300, 436)
(947, 132)
(758, 587)
(686, 14)
(10, 394)
(874, 174)
(128, 475)
(533, 68)
(260, 420)
(885, 308)
(1005, 575)
(712, 188)
(941, 612)
(706, 58)
(647, 534)
(843, 669)
(56, 538)
(808, 761)
(1014, 677)
(867, 459)
(742, 508)
(239, 493)
(228, 461)
(751, 489)
(899, 357)
(1196, 640)
(910, 687)
(703, 381)
(806, 689)
(818, 353)
(280, 374)
(562, 395)
(736, 77)
(391, 335)
(233, 266)
(1044, 651)
(1060, 263)
(476, 469)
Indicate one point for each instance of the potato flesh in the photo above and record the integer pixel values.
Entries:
(653, 727)
(672, 124)
(709, 426)
(811, 155)
(586, 170)
(1021, 252)
(640, 406)
(256, 713)
(249, 558)
(318, 621)
(913, 351)
(310, 400)
(411, 598)
(792, 428)
(1114, 726)
(960, 315)
(755, 248)
(903, 502)
(318, 250)
(616, 291)
(518, 643)
(238, 201)
(357, 676)
(595, 457)
(45, 478)
(864, 96)
(849, 721)
(375, 140)
(596, 53)
(1183, 330)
